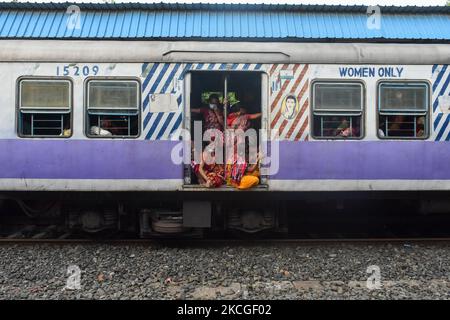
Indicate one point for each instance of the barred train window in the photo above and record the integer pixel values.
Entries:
(113, 108)
(337, 110)
(403, 110)
(44, 108)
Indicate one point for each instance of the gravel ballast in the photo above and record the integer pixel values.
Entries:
(266, 271)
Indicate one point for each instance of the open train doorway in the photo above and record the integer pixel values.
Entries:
(219, 100)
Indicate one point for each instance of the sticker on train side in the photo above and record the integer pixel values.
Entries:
(77, 70)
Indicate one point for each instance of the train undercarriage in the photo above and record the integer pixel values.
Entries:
(224, 214)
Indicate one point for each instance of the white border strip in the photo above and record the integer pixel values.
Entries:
(177, 185)
(359, 185)
(90, 184)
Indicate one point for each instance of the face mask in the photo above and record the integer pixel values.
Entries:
(212, 106)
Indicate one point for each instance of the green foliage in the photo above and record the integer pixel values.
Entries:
(232, 98)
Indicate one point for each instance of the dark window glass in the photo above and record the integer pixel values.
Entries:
(113, 125)
(403, 110)
(113, 108)
(404, 126)
(337, 126)
(42, 124)
(335, 97)
(44, 108)
(337, 110)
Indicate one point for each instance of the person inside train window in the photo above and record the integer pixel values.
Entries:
(403, 109)
(338, 110)
(339, 127)
(397, 125)
(101, 131)
(345, 129)
(113, 108)
(382, 130)
(420, 127)
(67, 132)
(402, 126)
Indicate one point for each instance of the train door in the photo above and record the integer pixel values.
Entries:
(246, 91)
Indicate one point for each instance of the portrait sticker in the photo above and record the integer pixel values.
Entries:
(289, 107)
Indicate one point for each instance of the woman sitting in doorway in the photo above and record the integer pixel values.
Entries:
(210, 173)
(242, 174)
(251, 177)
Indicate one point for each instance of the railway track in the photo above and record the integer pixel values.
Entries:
(219, 242)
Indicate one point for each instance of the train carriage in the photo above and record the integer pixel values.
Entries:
(368, 114)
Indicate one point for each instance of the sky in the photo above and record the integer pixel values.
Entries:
(342, 2)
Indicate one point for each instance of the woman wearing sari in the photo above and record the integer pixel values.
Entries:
(210, 172)
(241, 119)
(238, 165)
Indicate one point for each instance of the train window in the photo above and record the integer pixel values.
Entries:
(45, 108)
(403, 110)
(337, 110)
(113, 108)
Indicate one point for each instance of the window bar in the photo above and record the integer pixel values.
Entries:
(386, 123)
(321, 126)
(62, 125)
(225, 112)
(129, 128)
(415, 127)
(351, 127)
(225, 96)
(415, 100)
(32, 124)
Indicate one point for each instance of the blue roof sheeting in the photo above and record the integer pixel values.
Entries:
(205, 21)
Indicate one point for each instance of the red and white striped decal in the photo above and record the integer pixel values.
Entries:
(295, 129)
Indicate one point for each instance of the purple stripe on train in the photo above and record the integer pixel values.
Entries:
(377, 160)
(87, 159)
(135, 159)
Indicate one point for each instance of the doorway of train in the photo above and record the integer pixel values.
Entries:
(228, 100)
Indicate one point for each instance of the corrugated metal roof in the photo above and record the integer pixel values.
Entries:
(221, 6)
(222, 21)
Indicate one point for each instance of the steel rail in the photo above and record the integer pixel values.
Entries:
(206, 242)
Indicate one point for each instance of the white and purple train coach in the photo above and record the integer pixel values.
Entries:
(369, 110)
